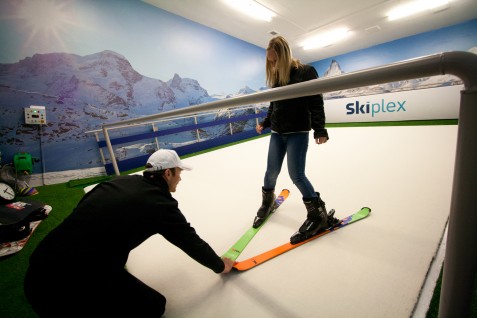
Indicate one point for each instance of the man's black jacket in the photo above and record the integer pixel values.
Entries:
(114, 218)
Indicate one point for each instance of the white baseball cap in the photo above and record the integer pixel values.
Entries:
(165, 159)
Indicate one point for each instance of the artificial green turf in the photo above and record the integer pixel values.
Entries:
(87, 181)
(62, 199)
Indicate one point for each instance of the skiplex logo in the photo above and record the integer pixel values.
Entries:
(357, 108)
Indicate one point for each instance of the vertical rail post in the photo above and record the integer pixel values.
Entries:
(111, 151)
(197, 132)
(230, 124)
(460, 263)
(103, 160)
(154, 129)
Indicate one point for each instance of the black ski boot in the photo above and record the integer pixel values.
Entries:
(332, 221)
(267, 207)
(317, 220)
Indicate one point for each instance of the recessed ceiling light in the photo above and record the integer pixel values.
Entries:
(252, 8)
(325, 39)
(414, 7)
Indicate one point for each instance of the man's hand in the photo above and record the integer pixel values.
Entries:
(228, 265)
(259, 129)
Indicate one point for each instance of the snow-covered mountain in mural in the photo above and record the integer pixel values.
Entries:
(333, 70)
(80, 93)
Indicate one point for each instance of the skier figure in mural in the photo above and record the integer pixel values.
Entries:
(291, 121)
(78, 270)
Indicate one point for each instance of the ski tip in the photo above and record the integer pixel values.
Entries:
(365, 207)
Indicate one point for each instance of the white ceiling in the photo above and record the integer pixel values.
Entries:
(296, 18)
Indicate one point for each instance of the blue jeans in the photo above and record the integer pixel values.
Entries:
(295, 146)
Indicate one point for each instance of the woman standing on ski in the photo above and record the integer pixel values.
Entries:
(291, 121)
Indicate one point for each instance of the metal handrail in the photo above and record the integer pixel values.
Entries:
(139, 122)
(461, 255)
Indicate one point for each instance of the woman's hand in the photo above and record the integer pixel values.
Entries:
(321, 140)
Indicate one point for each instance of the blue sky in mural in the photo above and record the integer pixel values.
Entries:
(156, 43)
(159, 44)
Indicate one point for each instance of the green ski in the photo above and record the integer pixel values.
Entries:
(234, 252)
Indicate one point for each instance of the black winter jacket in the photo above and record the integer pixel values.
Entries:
(298, 114)
(114, 218)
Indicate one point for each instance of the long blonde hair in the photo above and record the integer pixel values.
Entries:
(279, 74)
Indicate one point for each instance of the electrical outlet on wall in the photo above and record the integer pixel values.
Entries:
(35, 115)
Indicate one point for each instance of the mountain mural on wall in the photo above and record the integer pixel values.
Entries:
(81, 93)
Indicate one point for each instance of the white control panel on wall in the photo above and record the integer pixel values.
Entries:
(35, 115)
